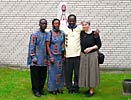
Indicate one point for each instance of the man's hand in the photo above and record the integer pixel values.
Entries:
(96, 33)
(34, 60)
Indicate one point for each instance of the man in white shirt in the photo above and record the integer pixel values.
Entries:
(73, 49)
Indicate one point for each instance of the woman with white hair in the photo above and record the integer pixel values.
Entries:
(89, 66)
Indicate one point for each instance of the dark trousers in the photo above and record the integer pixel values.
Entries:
(72, 64)
(38, 77)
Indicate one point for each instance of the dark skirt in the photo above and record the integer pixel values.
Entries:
(89, 73)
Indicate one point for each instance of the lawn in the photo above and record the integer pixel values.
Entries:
(15, 85)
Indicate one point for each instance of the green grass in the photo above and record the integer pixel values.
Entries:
(16, 85)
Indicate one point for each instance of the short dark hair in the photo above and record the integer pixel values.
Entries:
(71, 16)
(41, 20)
(55, 20)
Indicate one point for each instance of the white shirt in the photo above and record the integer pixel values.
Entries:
(72, 41)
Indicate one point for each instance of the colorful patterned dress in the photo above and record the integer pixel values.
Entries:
(55, 71)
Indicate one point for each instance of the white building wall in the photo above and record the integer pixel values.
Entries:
(19, 18)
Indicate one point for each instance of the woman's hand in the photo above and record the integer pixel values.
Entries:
(87, 50)
(52, 60)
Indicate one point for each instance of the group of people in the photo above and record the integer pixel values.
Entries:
(62, 52)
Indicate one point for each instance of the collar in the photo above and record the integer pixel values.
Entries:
(41, 31)
(89, 32)
(55, 30)
(73, 27)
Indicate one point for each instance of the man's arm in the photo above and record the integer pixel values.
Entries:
(32, 48)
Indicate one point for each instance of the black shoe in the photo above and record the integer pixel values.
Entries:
(54, 92)
(76, 91)
(89, 94)
(70, 91)
(42, 93)
(60, 91)
(86, 91)
(37, 94)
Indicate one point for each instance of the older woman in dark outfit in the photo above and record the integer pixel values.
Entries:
(89, 66)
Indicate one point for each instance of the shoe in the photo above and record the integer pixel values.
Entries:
(76, 91)
(86, 91)
(60, 91)
(70, 91)
(90, 94)
(54, 92)
(37, 94)
(42, 93)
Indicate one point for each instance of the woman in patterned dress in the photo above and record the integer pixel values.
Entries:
(55, 43)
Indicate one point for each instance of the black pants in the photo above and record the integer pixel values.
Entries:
(38, 77)
(72, 64)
